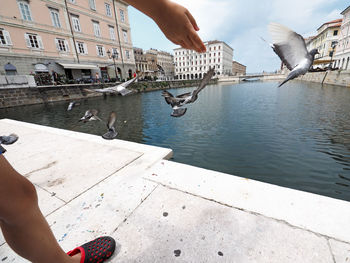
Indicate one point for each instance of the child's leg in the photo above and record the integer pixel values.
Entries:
(23, 225)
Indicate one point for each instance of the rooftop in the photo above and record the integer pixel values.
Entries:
(336, 22)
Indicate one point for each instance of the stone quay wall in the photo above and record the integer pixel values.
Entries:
(338, 77)
(18, 96)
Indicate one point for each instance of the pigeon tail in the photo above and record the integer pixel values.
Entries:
(291, 75)
(178, 112)
(124, 92)
(110, 135)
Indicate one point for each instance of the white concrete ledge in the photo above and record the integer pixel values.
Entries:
(162, 211)
(323, 215)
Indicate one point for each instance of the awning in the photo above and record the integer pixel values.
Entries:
(322, 61)
(78, 66)
(41, 68)
(10, 67)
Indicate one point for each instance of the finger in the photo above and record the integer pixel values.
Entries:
(192, 20)
(191, 44)
(197, 46)
(183, 44)
(197, 41)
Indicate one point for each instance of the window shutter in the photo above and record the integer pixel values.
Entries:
(85, 49)
(40, 41)
(26, 37)
(67, 46)
(97, 51)
(104, 51)
(57, 45)
(7, 37)
(77, 47)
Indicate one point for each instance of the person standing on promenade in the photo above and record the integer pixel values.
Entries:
(23, 225)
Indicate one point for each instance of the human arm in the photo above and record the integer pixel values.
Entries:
(175, 21)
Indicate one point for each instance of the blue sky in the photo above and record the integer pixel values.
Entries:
(240, 24)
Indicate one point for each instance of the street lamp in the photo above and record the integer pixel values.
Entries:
(333, 49)
(112, 55)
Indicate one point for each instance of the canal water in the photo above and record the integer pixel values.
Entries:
(296, 136)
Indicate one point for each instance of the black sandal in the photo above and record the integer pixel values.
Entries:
(95, 251)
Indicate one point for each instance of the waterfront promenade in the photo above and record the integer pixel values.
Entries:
(162, 211)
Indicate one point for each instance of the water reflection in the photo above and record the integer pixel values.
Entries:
(296, 136)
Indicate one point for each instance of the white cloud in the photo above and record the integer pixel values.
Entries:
(211, 16)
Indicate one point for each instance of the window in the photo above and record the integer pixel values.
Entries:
(72, 1)
(108, 9)
(25, 11)
(115, 53)
(100, 50)
(127, 54)
(335, 32)
(82, 48)
(111, 32)
(33, 41)
(61, 45)
(125, 35)
(5, 38)
(97, 30)
(92, 4)
(122, 16)
(76, 23)
(55, 18)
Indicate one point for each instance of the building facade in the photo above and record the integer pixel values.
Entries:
(325, 42)
(166, 67)
(342, 53)
(238, 69)
(151, 57)
(140, 60)
(78, 38)
(192, 65)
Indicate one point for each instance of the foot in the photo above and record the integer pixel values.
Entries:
(95, 251)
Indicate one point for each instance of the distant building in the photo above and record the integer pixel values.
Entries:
(140, 60)
(325, 42)
(238, 69)
(151, 57)
(192, 65)
(166, 67)
(71, 37)
(342, 53)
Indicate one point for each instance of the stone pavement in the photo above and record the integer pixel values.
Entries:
(162, 211)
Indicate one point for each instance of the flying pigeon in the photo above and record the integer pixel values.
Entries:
(177, 102)
(90, 115)
(71, 105)
(121, 88)
(291, 49)
(12, 138)
(111, 134)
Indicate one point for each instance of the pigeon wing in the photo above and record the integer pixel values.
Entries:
(288, 45)
(111, 120)
(185, 95)
(205, 81)
(127, 83)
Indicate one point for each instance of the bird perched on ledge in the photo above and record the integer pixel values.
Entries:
(12, 138)
(177, 102)
(111, 134)
(291, 49)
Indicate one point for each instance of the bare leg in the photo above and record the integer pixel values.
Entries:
(23, 225)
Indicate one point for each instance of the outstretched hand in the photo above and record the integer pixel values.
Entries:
(175, 21)
(179, 26)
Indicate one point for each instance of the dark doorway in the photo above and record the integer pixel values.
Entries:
(68, 73)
